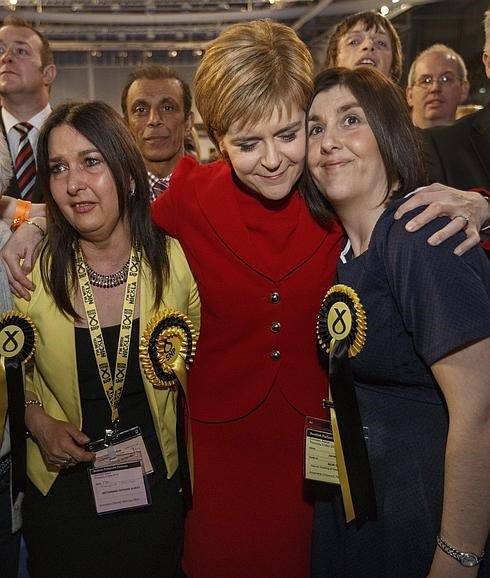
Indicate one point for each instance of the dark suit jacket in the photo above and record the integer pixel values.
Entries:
(459, 155)
(13, 188)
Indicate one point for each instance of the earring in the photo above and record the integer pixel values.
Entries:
(132, 187)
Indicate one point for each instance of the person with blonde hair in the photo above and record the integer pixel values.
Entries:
(258, 258)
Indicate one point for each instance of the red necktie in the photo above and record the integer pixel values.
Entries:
(25, 164)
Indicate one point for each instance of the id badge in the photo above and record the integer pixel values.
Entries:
(320, 463)
(119, 487)
(128, 446)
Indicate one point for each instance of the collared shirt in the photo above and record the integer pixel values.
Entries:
(157, 183)
(13, 136)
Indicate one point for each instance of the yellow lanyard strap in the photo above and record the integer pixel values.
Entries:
(113, 388)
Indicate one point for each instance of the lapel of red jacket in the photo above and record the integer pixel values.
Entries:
(218, 204)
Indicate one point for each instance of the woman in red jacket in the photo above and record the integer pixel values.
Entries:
(262, 264)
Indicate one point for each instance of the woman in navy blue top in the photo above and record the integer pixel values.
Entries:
(422, 375)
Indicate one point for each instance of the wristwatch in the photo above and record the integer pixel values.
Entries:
(466, 559)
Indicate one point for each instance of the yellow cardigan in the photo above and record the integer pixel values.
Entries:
(54, 378)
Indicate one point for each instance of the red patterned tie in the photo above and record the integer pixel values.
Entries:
(25, 164)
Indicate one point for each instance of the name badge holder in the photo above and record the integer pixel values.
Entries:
(121, 447)
(320, 463)
(119, 487)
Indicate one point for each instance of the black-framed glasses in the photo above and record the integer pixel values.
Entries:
(427, 80)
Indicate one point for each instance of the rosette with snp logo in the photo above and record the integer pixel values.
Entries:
(341, 331)
(18, 336)
(342, 317)
(167, 348)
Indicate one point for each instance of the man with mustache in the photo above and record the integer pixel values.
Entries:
(156, 105)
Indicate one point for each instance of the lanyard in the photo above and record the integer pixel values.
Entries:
(113, 388)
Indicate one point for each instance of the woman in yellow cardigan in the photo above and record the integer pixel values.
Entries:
(117, 310)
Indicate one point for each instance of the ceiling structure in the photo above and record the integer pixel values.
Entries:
(180, 29)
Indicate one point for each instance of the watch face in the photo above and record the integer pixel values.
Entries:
(469, 560)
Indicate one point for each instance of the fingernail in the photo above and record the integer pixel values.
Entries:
(458, 252)
(409, 227)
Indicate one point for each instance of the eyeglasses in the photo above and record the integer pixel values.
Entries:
(15, 51)
(426, 80)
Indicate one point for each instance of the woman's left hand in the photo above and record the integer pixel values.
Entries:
(61, 443)
(468, 211)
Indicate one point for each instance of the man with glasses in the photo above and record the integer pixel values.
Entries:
(459, 155)
(437, 84)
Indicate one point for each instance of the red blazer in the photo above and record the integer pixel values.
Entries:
(241, 353)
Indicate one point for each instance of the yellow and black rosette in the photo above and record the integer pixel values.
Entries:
(18, 336)
(341, 332)
(342, 317)
(167, 349)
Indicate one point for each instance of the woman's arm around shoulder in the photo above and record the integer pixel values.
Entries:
(468, 211)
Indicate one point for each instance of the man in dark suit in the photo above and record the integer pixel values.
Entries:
(459, 155)
(26, 74)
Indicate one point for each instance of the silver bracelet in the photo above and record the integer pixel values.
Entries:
(29, 402)
(466, 559)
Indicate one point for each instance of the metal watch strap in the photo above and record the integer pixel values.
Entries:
(466, 559)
